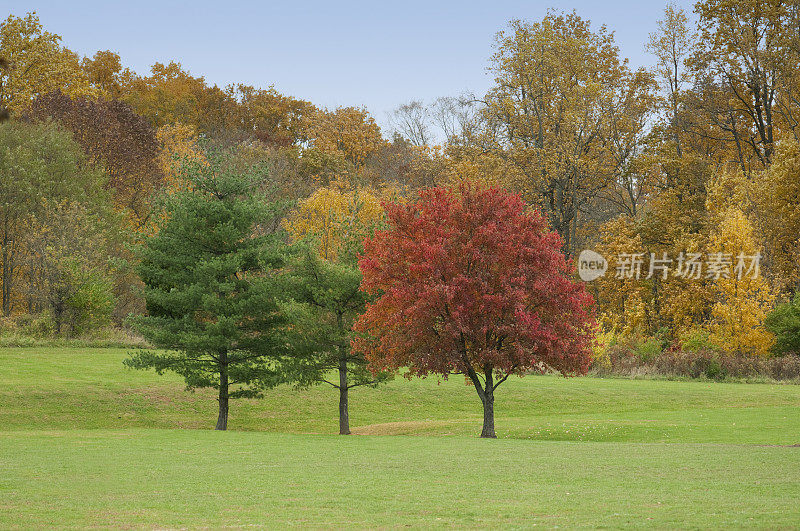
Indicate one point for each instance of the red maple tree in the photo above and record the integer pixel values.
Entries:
(471, 281)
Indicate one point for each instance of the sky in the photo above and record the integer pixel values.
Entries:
(333, 53)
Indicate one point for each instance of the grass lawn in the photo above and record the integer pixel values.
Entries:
(86, 442)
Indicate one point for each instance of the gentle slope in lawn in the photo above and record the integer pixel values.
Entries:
(86, 442)
(90, 388)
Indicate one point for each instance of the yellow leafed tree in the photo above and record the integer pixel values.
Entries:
(336, 216)
(743, 296)
(776, 193)
(350, 131)
(565, 110)
(177, 144)
(622, 300)
(105, 73)
(37, 64)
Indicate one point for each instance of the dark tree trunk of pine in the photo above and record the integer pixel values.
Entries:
(222, 420)
(488, 416)
(344, 414)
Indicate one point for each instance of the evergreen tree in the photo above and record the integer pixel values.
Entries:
(210, 285)
(323, 282)
(326, 300)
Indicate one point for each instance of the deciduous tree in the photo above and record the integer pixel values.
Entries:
(743, 63)
(275, 119)
(347, 131)
(171, 94)
(105, 73)
(671, 45)
(40, 166)
(784, 323)
(743, 297)
(177, 144)
(413, 121)
(37, 64)
(471, 281)
(562, 105)
(337, 218)
(115, 139)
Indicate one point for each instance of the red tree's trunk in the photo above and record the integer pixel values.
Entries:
(488, 416)
(486, 394)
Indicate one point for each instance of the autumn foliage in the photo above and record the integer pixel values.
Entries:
(114, 137)
(470, 281)
(697, 155)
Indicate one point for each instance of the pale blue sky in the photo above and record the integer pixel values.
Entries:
(374, 54)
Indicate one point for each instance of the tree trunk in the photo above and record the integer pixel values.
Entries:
(222, 420)
(488, 417)
(7, 273)
(487, 397)
(344, 413)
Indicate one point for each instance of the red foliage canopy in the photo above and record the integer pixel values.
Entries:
(471, 281)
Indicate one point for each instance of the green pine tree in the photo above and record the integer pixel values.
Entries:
(326, 299)
(210, 286)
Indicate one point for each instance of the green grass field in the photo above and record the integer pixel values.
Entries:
(85, 442)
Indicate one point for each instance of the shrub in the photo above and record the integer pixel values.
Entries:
(38, 326)
(713, 365)
(34, 326)
(784, 323)
(601, 361)
(81, 298)
(697, 340)
(648, 349)
(708, 365)
(38, 330)
(693, 364)
(691, 356)
(91, 305)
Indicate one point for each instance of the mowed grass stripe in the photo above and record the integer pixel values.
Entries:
(177, 478)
